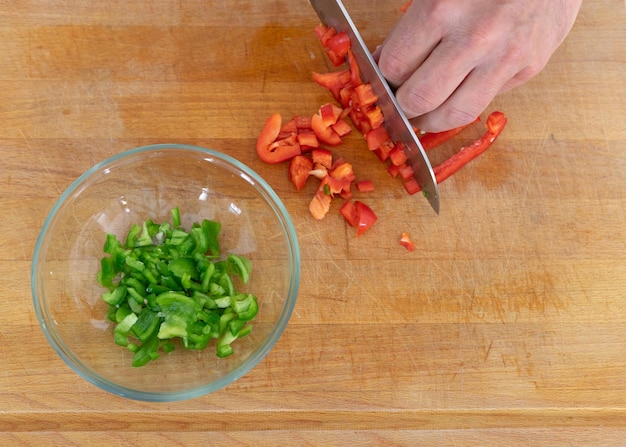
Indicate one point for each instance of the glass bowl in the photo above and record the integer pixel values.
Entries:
(147, 183)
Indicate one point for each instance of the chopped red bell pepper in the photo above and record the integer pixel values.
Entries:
(364, 186)
(324, 133)
(365, 96)
(411, 186)
(365, 217)
(432, 140)
(324, 33)
(330, 113)
(271, 150)
(278, 142)
(299, 169)
(335, 82)
(320, 203)
(339, 44)
(406, 171)
(405, 240)
(307, 141)
(341, 128)
(355, 74)
(375, 138)
(322, 156)
(398, 155)
(393, 170)
(358, 214)
(495, 123)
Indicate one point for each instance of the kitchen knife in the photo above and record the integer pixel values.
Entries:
(333, 13)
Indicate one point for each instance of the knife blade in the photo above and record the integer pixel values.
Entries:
(333, 13)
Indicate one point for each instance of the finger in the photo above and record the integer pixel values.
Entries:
(409, 44)
(438, 77)
(470, 99)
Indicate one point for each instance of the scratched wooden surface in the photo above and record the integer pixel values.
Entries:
(505, 326)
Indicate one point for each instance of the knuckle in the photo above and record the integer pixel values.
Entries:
(459, 116)
(393, 65)
(416, 101)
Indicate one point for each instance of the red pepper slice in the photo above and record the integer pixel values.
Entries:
(269, 149)
(495, 123)
(432, 140)
(355, 75)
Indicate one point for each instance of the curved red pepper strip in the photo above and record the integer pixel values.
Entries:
(432, 140)
(495, 123)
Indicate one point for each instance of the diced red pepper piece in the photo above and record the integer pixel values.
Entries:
(375, 117)
(365, 217)
(393, 170)
(320, 30)
(345, 97)
(324, 33)
(269, 149)
(406, 172)
(334, 82)
(397, 154)
(365, 96)
(376, 138)
(324, 133)
(336, 185)
(341, 127)
(339, 44)
(322, 156)
(411, 186)
(364, 186)
(358, 214)
(299, 169)
(330, 113)
(405, 240)
(307, 141)
(360, 120)
(383, 151)
(320, 203)
(343, 171)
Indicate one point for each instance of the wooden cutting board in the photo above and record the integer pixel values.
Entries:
(508, 320)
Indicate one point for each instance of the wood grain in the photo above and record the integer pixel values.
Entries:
(505, 325)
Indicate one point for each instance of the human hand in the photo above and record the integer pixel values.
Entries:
(450, 58)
